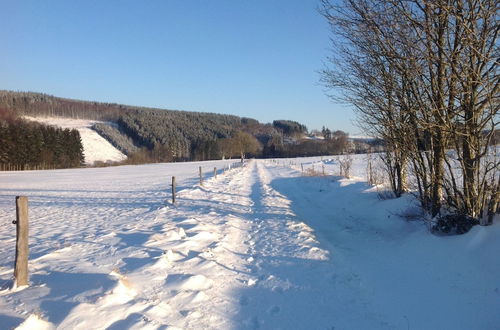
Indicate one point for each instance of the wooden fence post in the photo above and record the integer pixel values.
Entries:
(215, 172)
(302, 166)
(323, 166)
(21, 263)
(173, 190)
(201, 178)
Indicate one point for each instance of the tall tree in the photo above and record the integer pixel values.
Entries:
(423, 75)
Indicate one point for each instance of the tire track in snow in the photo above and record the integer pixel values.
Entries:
(294, 281)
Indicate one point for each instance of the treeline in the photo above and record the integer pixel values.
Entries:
(144, 134)
(28, 145)
(290, 127)
(43, 105)
(423, 75)
(332, 144)
(155, 135)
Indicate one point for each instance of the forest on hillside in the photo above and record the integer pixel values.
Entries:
(157, 135)
(29, 145)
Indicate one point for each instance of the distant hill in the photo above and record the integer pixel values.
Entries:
(161, 135)
(169, 135)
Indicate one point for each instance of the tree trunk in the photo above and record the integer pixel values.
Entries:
(438, 175)
(401, 175)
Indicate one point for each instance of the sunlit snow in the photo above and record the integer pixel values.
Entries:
(258, 247)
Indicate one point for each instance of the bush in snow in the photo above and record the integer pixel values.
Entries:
(454, 224)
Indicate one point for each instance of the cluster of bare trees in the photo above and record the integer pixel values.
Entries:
(240, 145)
(423, 75)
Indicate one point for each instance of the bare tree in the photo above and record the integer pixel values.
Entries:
(345, 164)
(423, 75)
(241, 144)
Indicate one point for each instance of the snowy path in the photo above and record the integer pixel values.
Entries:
(234, 256)
(260, 247)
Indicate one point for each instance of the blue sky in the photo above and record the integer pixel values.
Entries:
(256, 58)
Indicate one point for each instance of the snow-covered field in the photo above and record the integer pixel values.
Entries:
(95, 147)
(259, 247)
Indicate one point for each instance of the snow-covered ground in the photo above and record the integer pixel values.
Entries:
(259, 247)
(95, 147)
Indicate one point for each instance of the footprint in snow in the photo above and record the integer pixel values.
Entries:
(255, 324)
(244, 301)
(274, 310)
